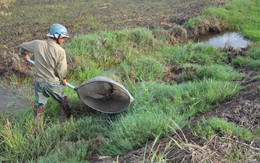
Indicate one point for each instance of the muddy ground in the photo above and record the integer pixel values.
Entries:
(243, 109)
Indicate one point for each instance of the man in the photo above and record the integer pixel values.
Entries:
(50, 68)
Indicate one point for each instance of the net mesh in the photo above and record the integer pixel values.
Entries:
(105, 95)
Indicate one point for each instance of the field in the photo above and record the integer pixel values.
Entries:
(193, 103)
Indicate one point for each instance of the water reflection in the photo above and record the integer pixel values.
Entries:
(228, 39)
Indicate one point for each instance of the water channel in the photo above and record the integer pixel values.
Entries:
(232, 40)
(13, 98)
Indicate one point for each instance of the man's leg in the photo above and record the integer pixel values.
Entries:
(65, 106)
(55, 90)
(41, 99)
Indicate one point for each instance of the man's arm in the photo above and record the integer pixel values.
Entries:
(61, 69)
(26, 48)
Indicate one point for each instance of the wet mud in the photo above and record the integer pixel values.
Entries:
(13, 99)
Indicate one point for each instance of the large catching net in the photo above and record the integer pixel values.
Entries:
(105, 95)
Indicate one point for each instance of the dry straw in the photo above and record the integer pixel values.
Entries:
(5, 4)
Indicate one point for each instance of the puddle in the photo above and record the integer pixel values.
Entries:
(13, 100)
(227, 40)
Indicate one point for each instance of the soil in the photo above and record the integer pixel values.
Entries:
(13, 98)
(243, 109)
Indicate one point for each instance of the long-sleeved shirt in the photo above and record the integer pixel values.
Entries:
(50, 60)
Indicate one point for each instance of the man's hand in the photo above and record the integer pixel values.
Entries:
(27, 57)
(64, 82)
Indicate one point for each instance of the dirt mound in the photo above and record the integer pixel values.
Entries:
(11, 63)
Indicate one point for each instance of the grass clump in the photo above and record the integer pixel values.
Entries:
(6, 3)
(156, 106)
(68, 152)
(210, 127)
(192, 53)
(142, 68)
(246, 62)
(111, 48)
(251, 58)
(132, 131)
(27, 139)
(254, 51)
(195, 72)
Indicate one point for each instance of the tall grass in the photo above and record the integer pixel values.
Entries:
(191, 53)
(143, 68)
(27, 139)
(195, 72)
(210, 127)
(111, 48)
(158, 104)
(250, 60)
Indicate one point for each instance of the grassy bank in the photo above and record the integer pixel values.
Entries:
(165, 100)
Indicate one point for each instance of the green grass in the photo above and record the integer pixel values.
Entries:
(112, 48)
(143, 68)
(214, 71)
(135, 58)
(251, 59)
(191, 53)
(210, 127)
(246, 62)
(157, 105)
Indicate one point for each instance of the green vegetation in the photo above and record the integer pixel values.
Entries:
(242, 16)
(215, 71)
(111, 48)
(190, 53)
(210, 127)
(137, 59)
(251, 58)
